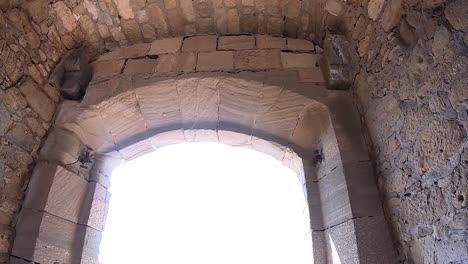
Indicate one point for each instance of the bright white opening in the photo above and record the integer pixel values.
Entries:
(206, 203)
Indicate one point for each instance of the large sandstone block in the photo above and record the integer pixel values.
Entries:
(130, 52)
(200, 43)
(62, 146)
(257, 59)
(299, 60)
(44, 238)
(269, 42)
(300, 45)
(163, 46)
(336, 206)
(236, 42)
(215, 61)
(95, 206)
(55, 190)
(140, 66)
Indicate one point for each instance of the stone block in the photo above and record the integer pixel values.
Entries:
(236, 42)
(91, 242)
(362, 189)
(130, 52)
(336, 62)
(200, 43)
(455, 12)
(342, 244)
(257, 59)
(319, 247)
(215, 61)
(61, 146)
(163, 46)
(315, 207)
(180, 62)
(300, 45)
(95, 206)
(103, 69)
(57, 191)
(37, 99)
(336, 206)
(269, 42)
(136, 66)
(374, 242)
(311, 75)
(44, 238)
(299, 60)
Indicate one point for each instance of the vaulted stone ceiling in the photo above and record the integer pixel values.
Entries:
(109, 23)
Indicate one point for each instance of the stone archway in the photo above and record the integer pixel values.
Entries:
(137, 106)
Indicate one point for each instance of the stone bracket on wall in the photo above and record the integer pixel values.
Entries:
(72, 75)
(336, 62)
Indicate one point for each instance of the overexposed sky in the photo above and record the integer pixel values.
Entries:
(206, 203)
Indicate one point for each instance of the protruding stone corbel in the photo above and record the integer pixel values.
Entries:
(336, 62)
(72, 75)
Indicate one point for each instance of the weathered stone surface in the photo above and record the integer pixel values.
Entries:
(299, 60)
(374, 8)
(20, 135)
(37, 9)
(107, 68)
(300, 45)
(37, 99)
(124, 8)
(45, 238)
(236, 42)
(157, 18)
(268, 42)
(64, 13)
(313, 75)
(392, 15)
(215, 61)
(163, 46)
(131, 30)
(257, 59)
(5, 119)
(62, 146)
(200, 43)
(140, 66)
(456, 13)
(459, 93)
(184, 62)
(134, 51)
(97, 203)
(57, 191)
(437, 143)
(382, 117)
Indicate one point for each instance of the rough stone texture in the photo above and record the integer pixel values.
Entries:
(416, 119)
(236, 42)
(269, 42)
(216, 60)
(163, 46)
(257, 59)
(200, 43)
(411, 72)
(456, 14)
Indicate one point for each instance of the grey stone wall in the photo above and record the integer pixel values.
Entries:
(412, 92)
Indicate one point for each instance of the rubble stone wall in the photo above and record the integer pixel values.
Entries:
(412, 92)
